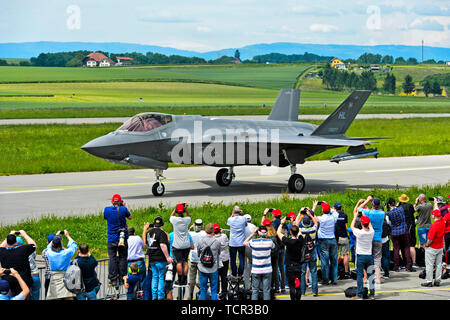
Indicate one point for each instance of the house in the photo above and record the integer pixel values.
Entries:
(448, 63)
(97, 59)
(375, 67)
(123, 61)
(337, 64)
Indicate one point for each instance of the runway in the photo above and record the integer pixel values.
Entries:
(32, 196)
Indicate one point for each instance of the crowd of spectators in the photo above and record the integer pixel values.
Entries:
(266, 257)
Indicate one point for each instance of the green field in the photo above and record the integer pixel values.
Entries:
(92, 229)
(56, 148)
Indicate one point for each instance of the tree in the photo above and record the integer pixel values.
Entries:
(389, 83)
(436, 88)
(3, 62)
(399, 60)
(411, 61)
(237, 55)
(427, 88)
(408, 85)
(367, 81)
(387, 60)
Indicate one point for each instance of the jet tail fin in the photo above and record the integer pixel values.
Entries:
(286, 106)
(339, 121)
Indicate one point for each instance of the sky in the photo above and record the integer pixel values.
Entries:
(206, 25)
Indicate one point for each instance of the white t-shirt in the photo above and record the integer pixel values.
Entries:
(180, 232)
(363, 240)
(196, 236)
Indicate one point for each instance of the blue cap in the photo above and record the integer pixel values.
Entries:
(50, 237)
(337, 205)
(19, 241)
(4, 287)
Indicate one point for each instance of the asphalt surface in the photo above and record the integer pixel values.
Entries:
(62, 194)
(250, 117)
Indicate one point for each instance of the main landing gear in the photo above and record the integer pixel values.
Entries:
(296, 182)
(224, 176)
(158, 188)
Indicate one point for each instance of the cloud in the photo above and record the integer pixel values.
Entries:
(431, 10)
(166, 17)
(203, 29)
(315, 11)
(426, 24)
(317, 27)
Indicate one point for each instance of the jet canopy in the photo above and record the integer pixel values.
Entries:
(145, 122)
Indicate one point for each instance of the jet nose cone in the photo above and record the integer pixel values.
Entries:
(102, 147)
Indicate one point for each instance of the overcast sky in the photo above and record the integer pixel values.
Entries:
(204, 25)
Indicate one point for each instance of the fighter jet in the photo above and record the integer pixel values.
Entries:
(152, 140)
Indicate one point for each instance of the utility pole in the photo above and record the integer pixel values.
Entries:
(422, 51)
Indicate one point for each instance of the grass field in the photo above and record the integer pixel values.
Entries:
(56, 148)
(92, 229)
(418, 72)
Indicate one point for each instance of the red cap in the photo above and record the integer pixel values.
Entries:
(365, 220)
(216, 227)
(116, 198)
(292, 215)
(325, 207)
(436, 213)
(179, 208)
(276, 213)
(266, 222)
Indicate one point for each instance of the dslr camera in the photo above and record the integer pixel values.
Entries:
(7, 272)
(122, 237)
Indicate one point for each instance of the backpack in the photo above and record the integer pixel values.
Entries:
(307, 249)
(73, 279)
(207, 257)
(351, 292)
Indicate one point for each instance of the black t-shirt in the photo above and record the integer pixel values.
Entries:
(293, 250)
(155, 237)
(17, 258)
(409, 213)
(341, 226)
(87, 266)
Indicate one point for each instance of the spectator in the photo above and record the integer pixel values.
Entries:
(157, 242)
(16, 257)
(376, 217)
(342, 236)
(364, 259)
(249, 229)
(386, 253)
(136, 254)
(181, 244)
(399, 234)
(444, 208)
(261, 269)
(327, 244)
(47, 264)
(5, 292)
(423, 218)
(168, 284)
(274, 255)
(352, 245)
(224, 260)
(59, 260)
(308, 226)
(410, 226)
(196, 235)
(87, 264)
(116, 216)
(210, 272)
(279, 280)
(237, 224)
(433, 250)
(132, 280)
(294, 246)
(36, 287)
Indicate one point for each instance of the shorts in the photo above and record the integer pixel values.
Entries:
(423, 234)
(343, 246)
(193, 271)
(181, 255)
(377, 253)
(412, 235)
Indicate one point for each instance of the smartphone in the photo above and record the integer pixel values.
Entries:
(17, 233)
(270, 210)
(319, 203)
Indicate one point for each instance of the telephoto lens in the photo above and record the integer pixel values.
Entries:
(122, 238)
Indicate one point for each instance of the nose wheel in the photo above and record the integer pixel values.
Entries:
(224, 177)
(158, 188)
(296, 182)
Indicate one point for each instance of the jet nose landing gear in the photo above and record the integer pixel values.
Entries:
(224, 177)
(296, 182)
(158, 188)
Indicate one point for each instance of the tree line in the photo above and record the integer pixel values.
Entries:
(337, 80)
(370, 58)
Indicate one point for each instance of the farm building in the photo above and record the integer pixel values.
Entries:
(123, 60)
(97, 59)
(337, 63)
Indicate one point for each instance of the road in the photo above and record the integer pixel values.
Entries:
(62, 194)
(252, 117)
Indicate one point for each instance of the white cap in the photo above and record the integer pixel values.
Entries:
(198, 221)
(248, 217)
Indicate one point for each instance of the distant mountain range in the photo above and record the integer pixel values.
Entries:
(33, 49)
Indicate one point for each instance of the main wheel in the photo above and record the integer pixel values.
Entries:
(222, 178)
(158, 189)
(296, 183)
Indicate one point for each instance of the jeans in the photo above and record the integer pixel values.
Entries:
(265, 279)
(213, 279)
(312, 264)
(234, 251)
(423, 234)
(158, 269)
(36, 288)
(401, 242)
(433, 257)
(385, 258)
(91, 295)
(117, 260)
(147, 285)
(328, 254)
(365, 262)
(247, 268)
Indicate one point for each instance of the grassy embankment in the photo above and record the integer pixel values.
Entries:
(56, 148)
(91, 229)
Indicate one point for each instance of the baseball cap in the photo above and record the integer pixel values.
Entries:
(276, 213)
(50, 237)
(306, 221)
(262, 230)
(337, 205)
(179, 208)
(4, 287)
(365, 220)
(376, 201)
(216, 227)
(248, 217)
(266, 222)
(439, 199)
(436, 213)
(325, 207)
(198, 222)
(158, 221)
(292, 215)
(116, 198)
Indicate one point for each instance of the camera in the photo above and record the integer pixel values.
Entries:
(270, 210)
(17, 233)
(319, 203)
(304, 212)
(169, 272)
(7, 272)
(430, 199)
(122, 237)
(61, 233)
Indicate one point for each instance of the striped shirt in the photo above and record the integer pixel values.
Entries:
(261, 250)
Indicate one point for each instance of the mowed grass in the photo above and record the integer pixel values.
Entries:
(91, 229)
(29, 149)
(418, 72)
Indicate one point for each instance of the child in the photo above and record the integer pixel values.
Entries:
(132, 281)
